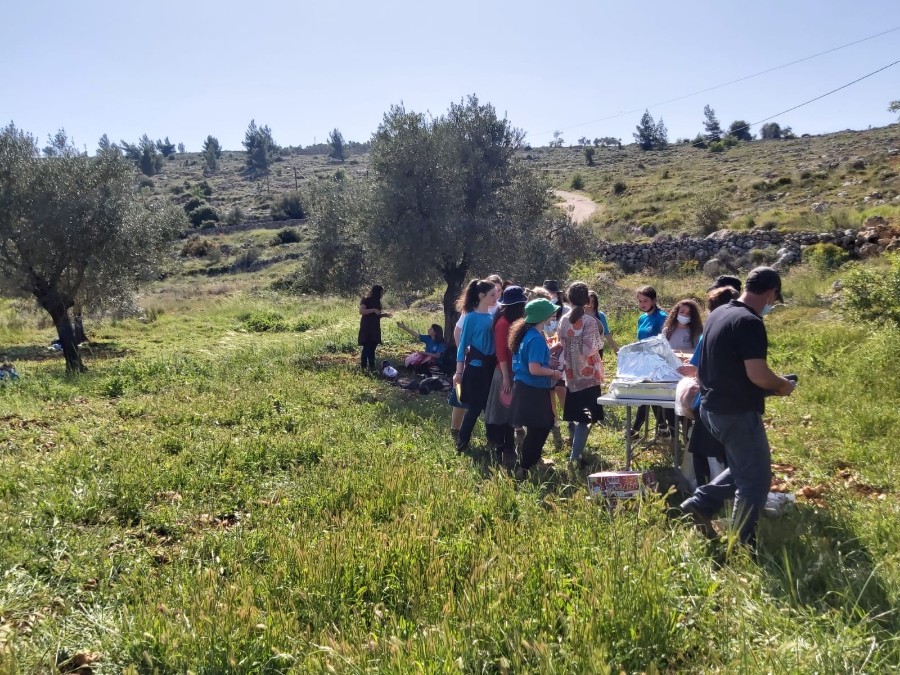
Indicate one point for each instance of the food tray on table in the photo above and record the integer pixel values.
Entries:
(655, 391)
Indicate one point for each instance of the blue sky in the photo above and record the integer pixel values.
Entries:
(191, 68)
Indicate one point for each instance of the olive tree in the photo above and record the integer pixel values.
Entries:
(76, 229)
(450, 198)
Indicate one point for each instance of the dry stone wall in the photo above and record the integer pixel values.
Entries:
(729, 249)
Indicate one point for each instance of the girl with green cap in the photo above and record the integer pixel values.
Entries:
(533, 378)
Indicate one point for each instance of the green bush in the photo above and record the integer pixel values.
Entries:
(146, 183)
(824, 258)
(709, 212)
(266, 321)
(288, 207)
(196, 247)
(205, 187)
(193, 203)
(289, 235)
(577, 182)
(202, 213)
(873, 294)
(619, 187)
(784, 180)
(235, 216)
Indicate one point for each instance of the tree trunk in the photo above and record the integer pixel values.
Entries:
(55, 305)
(455, 279)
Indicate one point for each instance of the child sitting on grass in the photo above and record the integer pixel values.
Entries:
(434, 347)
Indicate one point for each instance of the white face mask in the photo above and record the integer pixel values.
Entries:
(683, 320)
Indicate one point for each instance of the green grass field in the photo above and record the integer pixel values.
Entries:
(215, 497)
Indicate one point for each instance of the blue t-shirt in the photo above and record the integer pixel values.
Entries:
(532, 350)
(477, 332)
(601, 317)
(432, 347)
(651, 324)
(695, 357)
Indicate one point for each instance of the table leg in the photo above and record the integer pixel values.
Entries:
(628, 438)
(676, 432)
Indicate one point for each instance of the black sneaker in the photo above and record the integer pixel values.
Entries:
(701, 521)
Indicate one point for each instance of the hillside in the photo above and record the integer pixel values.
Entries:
(815, 183)
(777, 181)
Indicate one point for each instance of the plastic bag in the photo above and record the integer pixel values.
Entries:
(685, 396)
(650, 360)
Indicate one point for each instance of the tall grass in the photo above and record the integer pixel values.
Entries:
(211, 499)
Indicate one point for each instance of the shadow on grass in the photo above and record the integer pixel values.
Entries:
(90, 350)
(813, 560)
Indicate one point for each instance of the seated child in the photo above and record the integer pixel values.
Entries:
(434, 347)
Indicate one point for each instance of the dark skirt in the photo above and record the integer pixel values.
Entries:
(703, 443)
(476, 385)
(581, 406)
(531, 406)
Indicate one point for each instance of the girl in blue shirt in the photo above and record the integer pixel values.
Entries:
(650, 324)
(475, 355)
(534, 376)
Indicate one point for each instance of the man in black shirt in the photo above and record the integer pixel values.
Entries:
(734, 380)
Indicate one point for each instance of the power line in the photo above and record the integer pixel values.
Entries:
(726, 84)
(812, 100)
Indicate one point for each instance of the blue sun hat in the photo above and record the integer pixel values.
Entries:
(513, 295)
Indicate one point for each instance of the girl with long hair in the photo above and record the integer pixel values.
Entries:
(475, 355)
(434, 347)
(498, 412)
(581, 337)
(683, 326)
(370, 315)
(533, 379)
(650, 324)
(594, 309)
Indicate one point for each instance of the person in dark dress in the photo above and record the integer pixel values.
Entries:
(370, 315)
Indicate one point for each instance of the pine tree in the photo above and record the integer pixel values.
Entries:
(336, 145)
(660, 136)
(711, 125)
(645, 131)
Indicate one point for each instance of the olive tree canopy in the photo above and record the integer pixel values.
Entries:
(76, 229)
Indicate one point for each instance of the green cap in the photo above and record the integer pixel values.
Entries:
(539, 310)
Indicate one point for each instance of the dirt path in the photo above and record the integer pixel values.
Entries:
(578, 207)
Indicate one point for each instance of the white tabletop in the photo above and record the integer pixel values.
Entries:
(609, 399)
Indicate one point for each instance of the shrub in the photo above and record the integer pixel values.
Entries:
(577, 182)
(205, 188)
(589, 154)
(872, 294)
(709, 212)
(619, 187)
(717, 146)
(193, 203)
(235, 216)
(247, 258)
(196, 247)
(761, 256)
(288, 207)
(784, 180)
(176, 189)
(266, 321)
(805, 175)
(289, 235)
(207, 224)
(202, 213)
(824, 258)
(146, 183)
